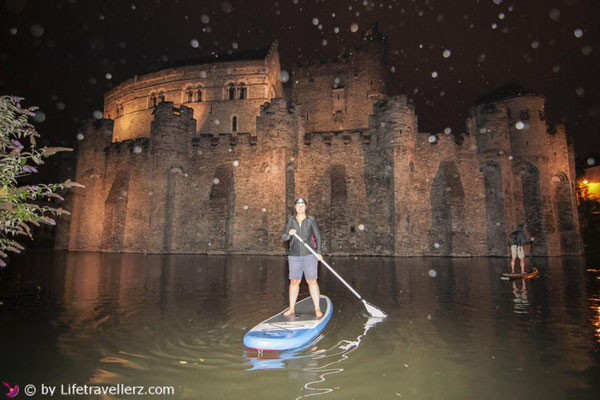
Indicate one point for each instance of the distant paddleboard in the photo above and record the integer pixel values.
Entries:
(526, 275)
(289, 332)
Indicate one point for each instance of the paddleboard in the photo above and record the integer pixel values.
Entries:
(534, 272)
(282, 332)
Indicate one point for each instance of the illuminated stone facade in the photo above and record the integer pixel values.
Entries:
(208, 159)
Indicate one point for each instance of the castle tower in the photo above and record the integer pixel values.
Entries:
(273, 166)
(389, 169)
(490, 126)
(529, 148)
(170, 141)
(88, 203)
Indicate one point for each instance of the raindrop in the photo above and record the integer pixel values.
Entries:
(497, 2)
(535, 44)
(520, 125)
(556, 69)
(580, 91)
(217, 122)
(60, 105)
(194, 43)
(586, 50)
(501, 16)
(324, 42)
(284, 76)
(315, 21)
(203, 74)
(494, 25)
(432, 138)
(234, 45)
(354, 27)
(236, 163)
(393, 69)
(80, 136)
(436, 245)
(226, 7)
(205, 19)
(361, 227)
(554, 14)
(591, 161)
(578, 33)
(137, 149)
(13, 31)
(434, 74)
(510, 158)
(123, 193)
(432, 273)
(245, 207)
(448, 130)
(264, 209)
(37, 30)
(336, 29)
(151, 193)
(133, 6)
(446, 53)
(108, 75)
(97, 114)
(216, 181)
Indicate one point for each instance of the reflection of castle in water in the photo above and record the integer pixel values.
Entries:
(208, 158)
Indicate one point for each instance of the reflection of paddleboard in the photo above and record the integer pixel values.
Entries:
(282, 333)
(527, 275)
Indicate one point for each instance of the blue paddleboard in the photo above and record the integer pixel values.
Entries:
(283, 333)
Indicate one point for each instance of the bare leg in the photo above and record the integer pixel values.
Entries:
(522, 260)
(512, 265)
(315, 294)
(294, 289)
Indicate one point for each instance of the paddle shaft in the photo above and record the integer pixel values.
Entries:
(330, 269)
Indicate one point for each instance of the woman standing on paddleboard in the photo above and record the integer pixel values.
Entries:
(300, 259)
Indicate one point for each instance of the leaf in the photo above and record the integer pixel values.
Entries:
(70, 184)
(48, 151)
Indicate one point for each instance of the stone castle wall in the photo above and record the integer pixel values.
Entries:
(376, 185)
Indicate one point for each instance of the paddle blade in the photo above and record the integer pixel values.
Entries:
(374, 311)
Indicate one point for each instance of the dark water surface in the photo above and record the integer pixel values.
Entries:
(454, 331)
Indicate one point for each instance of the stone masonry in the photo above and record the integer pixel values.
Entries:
(209, 159)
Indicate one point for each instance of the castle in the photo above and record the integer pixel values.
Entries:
(209, 158)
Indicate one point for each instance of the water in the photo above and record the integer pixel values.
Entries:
(454, 331)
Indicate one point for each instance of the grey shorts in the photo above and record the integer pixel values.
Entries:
(299, 265)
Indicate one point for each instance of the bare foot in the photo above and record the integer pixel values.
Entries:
(289, 312)
(318, 313)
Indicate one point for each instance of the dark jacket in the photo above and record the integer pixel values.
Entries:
(522, 237)
(309, 229)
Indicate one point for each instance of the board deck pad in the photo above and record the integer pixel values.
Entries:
(282, 332)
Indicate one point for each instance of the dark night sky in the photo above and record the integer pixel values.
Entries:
(57, 54)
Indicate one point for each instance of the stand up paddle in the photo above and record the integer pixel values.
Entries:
(526, 275)
(371, 309)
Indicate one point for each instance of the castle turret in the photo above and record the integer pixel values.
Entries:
(172, 128)
(278, 125)
(490, 126)
(527, 123)
(389, 168)
(84, 232)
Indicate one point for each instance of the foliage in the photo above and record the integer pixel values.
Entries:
(23, 204)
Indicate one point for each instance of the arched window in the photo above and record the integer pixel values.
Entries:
(190, 96)
(119, 110)
(199, 95)
(243, 92)
(153, 101)
(231, 92)
(161, 97)
(234, 122)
